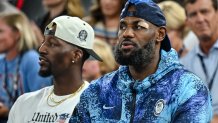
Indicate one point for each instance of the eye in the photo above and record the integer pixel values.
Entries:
(204, 11)
(138, 27)
(192, 14)
(52, 44)
(122, 26)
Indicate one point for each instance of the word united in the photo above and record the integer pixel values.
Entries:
(48, 117)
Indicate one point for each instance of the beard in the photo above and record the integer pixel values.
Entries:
(45, 73)
(138, 57)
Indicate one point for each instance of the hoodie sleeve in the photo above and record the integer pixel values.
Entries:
(194, 104)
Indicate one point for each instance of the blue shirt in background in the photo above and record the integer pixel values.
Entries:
(23, 70)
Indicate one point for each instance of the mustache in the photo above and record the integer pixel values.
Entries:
(127, 41)
(42, 57)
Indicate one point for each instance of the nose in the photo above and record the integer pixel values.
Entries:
(200, 17)
(42, 48)
(128, 33)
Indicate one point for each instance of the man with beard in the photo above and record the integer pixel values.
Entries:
(68, 42)
(202, 18)
(150, 85)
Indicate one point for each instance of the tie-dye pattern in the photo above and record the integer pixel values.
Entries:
(118, 98)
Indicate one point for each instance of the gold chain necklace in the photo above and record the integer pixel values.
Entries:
(56, 103)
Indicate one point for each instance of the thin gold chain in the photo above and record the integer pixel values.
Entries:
(56, 103)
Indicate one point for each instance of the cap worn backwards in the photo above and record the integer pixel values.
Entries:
(149, 11)
(75, 31)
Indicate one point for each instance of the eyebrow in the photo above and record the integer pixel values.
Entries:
(134, 21)
(137, 22)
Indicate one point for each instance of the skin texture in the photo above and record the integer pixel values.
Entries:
(56, 58)
(138, 46)
(202, 19)
(8, 40)
(110, 8)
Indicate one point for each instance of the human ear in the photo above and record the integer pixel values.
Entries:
(77, 55)
(161, 34)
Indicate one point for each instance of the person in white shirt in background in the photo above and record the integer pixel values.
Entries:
(68, 42)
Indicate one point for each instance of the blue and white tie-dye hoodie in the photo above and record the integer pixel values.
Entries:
(171, 94)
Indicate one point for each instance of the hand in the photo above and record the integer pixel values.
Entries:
(3, 111)
(215, 119)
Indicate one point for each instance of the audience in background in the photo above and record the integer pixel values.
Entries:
(202, 18)
(86, 5)
(32, 8)
(93, 69)
(59, 7)
(104, 18)
(6, 7)
(190, 41)
(19, 67)
(176, 28)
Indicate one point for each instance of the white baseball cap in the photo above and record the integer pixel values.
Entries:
(75, 31)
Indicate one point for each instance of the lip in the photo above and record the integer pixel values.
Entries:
(42, 60)
(127, 44)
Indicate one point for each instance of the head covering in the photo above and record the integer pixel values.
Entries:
(149, 11)
(75, 31)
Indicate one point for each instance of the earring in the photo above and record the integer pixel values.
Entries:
(73, 61)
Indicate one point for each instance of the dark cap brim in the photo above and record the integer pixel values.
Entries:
(94, 55)
(165, 44)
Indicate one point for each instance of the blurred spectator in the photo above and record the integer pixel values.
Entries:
(19, 67)
(202, 18)
(177, 1)
(176, 28)
(32, 8)
(191, 40)
(59, 7)
(6, 7)
(87, 4)
(56, 8)
(93, 69)
(104, 19)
